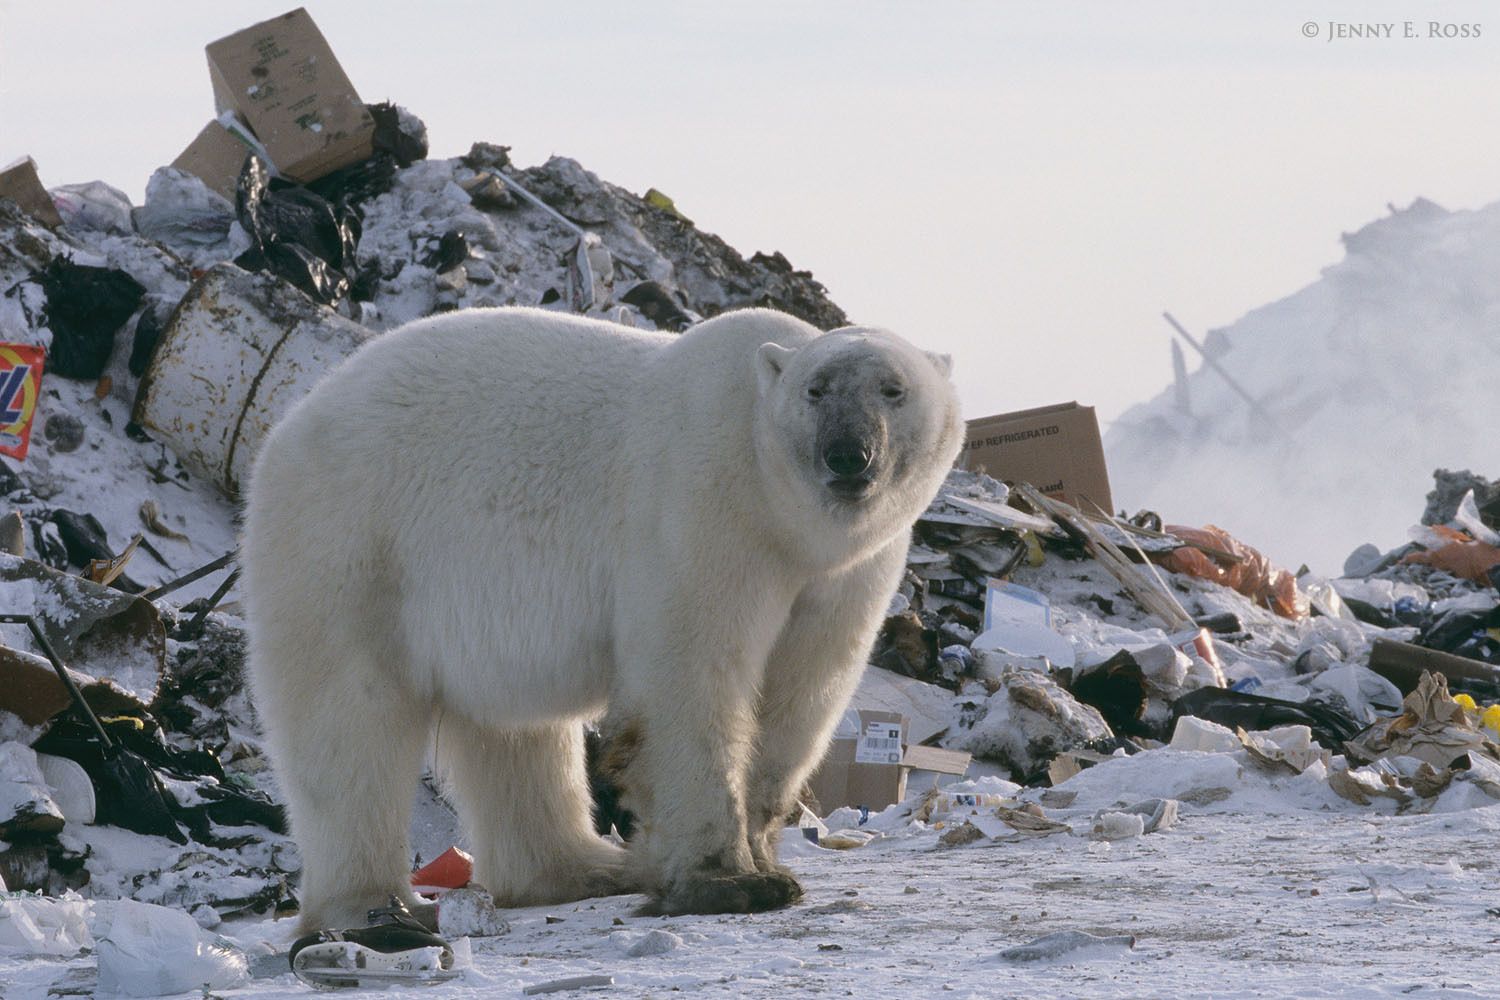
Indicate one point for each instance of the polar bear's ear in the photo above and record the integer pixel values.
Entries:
(770, 360)
(942, 362)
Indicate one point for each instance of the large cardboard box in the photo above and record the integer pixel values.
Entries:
(19, 182)
(1054, 448)
(869, 761)
(282, 79)
(215, 157)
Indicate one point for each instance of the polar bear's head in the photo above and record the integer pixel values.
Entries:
(862, 421)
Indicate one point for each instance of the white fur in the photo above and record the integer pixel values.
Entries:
(507, 521)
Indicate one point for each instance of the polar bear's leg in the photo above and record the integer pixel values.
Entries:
(348, 749)
(812, 672)
(685, 695)
(523, 796)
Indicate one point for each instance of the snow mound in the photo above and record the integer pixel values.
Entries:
(1368, 379)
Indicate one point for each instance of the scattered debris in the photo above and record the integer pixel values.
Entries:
(394, 949)
(568, 984)
(1068, 945)
(469, 912)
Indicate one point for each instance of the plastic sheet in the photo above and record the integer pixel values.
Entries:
(93, 205)
(183, 212)
(1329, 727)
(149, 951)
(38, 925)
(1250, 574)
(296, 234)
(1462, 556)
(85, 306)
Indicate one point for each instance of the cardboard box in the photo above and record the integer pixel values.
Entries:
(283, 80)
(215, 157)
(869, 762)
(19, 182)
(1054, 448)
(20, 388)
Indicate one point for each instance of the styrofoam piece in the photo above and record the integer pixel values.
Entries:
(1193, 733)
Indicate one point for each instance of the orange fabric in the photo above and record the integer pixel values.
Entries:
(1465, 557)
(1250, 573)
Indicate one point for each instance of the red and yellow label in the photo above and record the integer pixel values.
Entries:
(20, 388)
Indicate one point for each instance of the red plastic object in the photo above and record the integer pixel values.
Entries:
(453, 869)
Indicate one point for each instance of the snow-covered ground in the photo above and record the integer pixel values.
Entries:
(1234, 901)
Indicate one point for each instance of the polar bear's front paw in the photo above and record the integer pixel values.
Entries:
(747, 893)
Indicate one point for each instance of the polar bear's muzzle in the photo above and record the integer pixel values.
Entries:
(851, 464)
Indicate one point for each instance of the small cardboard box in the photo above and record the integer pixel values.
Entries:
(868, 764)
(19, 182)
(281, 77)
(20, 389)
(215, 157)
(1054, 448)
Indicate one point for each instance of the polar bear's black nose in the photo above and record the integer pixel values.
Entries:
(847, 458)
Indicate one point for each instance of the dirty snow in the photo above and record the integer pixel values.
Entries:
(1257, 895)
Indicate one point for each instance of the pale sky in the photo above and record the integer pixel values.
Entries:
(1024, 185)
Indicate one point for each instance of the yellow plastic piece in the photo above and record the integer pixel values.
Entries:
(1466, 702)
(656, 199)
(1491, 720)
(1034, 554)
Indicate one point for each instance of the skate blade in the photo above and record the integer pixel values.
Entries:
(335, 965)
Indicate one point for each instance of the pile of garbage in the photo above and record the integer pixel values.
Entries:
(1065, 641)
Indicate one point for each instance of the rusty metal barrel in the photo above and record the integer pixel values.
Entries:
(238, 351)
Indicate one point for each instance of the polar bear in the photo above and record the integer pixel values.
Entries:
(489, 526)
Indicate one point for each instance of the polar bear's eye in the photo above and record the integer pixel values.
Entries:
(893, 392)
(815, 392)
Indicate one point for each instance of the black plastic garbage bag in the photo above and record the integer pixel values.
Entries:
(399, 141)
(149, 808)
(215, 799)
(451, 251)
(127, 791)
(1465, 632)
(147, 333)
(85, 307)
(296, 234)
(1330, 727)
